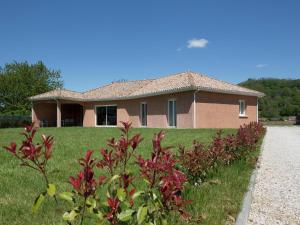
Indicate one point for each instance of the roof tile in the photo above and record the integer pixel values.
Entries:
(134, 89)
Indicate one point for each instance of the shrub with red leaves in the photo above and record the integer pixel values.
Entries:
(197, 161)
(248, 134)
(161, 175)
(33, 155)
(84, 183)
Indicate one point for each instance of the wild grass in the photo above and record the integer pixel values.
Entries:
(217, 201)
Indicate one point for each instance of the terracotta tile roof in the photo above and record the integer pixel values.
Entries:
(116, 90)
(186, 81)
(59, 94)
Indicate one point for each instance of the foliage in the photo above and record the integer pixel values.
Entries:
(35, 156)
(198, 161)
(14, 121)
(19, 81)
(282, 96)
(220, 195)
(160, 173)
(123, 204)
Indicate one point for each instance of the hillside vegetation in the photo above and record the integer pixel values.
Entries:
(282, 96)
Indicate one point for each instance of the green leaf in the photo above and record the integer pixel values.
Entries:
(104, 203)
(107, 194)
(114, 178)
(164, 222)
(37, 202)
(149, 223)
(91, 202)
(98, 214)
(137, 194)
(70, 216)
(141, 214)
(146, 181)
(125, 215)
(68, 196)
(51, 190)
(121, 193)
(154, 196)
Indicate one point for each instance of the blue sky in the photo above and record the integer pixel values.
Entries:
(96, 42)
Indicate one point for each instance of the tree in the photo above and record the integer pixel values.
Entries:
(20, 80)
(282, 96)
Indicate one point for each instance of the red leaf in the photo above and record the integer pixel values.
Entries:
(102, 179)
(11, 148)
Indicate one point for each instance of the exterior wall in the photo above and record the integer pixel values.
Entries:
(213, 110)
(43, 111)
(129, 110)
(217, 110)
(88, 115)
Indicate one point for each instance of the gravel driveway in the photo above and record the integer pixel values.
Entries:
(276, 195)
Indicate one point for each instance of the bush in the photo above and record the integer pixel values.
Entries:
(195, 162)
(7, 121)
(198, 161)
(160, 197)
(122, 203)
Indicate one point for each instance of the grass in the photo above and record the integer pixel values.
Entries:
(215, 202)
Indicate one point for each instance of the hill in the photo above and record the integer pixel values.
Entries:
(282, 96)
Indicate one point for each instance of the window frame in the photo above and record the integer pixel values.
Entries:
(95, 111)
(242, 102)
(174, 108)
(141, 114)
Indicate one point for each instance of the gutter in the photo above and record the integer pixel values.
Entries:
(83, 99)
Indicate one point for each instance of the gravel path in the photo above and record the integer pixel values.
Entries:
(276, 195)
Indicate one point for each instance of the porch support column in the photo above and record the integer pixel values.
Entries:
(58, 113)
(194, 109)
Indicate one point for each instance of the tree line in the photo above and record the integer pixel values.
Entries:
(20, 80)
(282, 96)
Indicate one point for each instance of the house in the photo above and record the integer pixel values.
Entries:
(183, 100)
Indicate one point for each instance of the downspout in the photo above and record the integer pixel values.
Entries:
(194, 108)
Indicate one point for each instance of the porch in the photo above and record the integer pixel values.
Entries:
(57, 113)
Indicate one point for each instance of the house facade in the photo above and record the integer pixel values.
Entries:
(183, 100)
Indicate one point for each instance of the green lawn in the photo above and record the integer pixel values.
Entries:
(213, 202)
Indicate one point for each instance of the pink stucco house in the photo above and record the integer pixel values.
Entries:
(183, 100)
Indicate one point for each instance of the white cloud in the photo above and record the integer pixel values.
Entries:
(197, 43)
(259, 66)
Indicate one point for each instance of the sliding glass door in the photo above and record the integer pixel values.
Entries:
(106, 115)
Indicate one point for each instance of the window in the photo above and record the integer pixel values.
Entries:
(242, 108)
(143, 114)
(106, 115)
(172, 120)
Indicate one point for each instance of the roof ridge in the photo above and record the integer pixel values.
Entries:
(191, 79)
(225, 82)
(150, 79)
(105, 85)
(172, 74)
